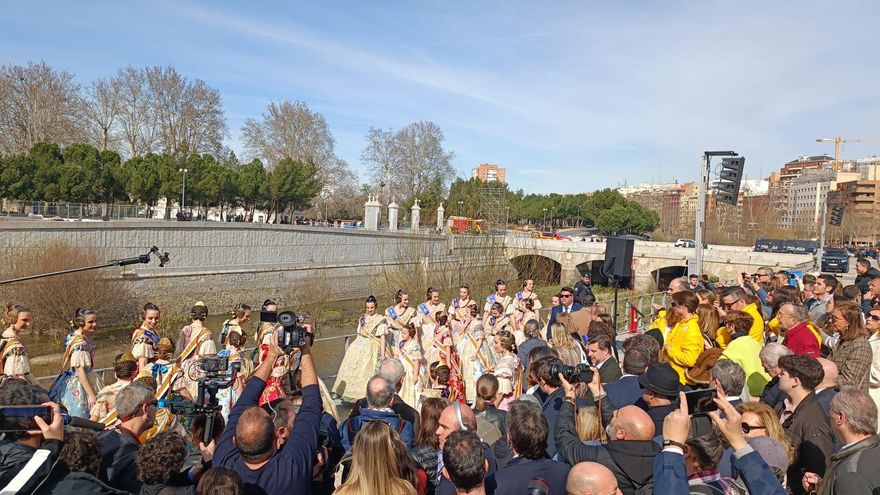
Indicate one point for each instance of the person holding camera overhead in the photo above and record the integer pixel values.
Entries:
(362, 356)
(77, 386)
(249, 445)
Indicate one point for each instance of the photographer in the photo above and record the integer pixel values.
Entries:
(249, 444)
(630, 450)
(27, 457)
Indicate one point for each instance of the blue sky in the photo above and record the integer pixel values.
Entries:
(569, 96)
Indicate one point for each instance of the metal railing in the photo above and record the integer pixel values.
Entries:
(74, 211)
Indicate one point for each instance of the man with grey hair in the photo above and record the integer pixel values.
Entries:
(770, 355)
(794, 326)
(853, 468)
(392, 369)
(380, 395)
(136, 409)
(729, 380)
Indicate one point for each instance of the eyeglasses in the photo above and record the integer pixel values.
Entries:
(564, 295)
(728, 305)
(838, 317)
(874, 317)
(747, 428)
(673, 304)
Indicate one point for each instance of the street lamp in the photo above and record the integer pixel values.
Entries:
(183, 194)
(544, 219)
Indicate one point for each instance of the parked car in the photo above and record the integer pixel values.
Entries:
(686, 243)
(546, 234)
(835, 260)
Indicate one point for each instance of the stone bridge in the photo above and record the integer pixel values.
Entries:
(655, 264)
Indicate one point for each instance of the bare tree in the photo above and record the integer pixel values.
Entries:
(289, 130)
(410, 160)
(135, 112)
(101, 108)
(188, 114)
(38, 104)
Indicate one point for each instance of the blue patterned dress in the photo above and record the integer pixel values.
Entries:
(78, 353)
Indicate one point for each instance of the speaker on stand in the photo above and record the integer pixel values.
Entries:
(616, 268)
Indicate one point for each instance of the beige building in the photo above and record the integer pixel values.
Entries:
(807, 194)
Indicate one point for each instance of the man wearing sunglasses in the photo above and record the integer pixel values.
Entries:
(136, 406)
(567, 304)
(736, 299)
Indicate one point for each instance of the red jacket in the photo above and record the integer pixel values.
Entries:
(801, 340)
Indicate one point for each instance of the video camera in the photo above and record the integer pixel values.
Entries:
(217, 375)
(292, 334)
(573, 374)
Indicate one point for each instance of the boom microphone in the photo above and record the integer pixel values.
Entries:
(83, 423)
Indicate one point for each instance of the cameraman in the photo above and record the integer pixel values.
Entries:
(28, 458)
(249, 444)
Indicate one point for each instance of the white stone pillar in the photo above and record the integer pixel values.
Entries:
(371, 214)
(441, 227)
(392, 216)
(416, 213)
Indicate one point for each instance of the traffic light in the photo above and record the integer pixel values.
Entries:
(836, 215)
(730, 179)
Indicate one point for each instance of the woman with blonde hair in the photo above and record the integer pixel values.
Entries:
(589, 430)
(569, 351)
(374, 469)
(707, 297)
(508, 368)
(852, 354)
(487, 402)
(759, 419)
(707, 318)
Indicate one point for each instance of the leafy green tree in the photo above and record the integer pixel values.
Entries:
(292, 185)
(16, 178)
(252, 179)
(143, 177)
(629, 217)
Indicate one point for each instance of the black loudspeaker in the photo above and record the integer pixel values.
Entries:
(618, 258)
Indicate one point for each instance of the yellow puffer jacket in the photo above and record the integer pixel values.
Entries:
(683, 346)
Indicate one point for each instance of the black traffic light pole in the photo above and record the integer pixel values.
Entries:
(700, 223)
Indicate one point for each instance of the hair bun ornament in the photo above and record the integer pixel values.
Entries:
(200, 303)
(166, 341)
(127, 356)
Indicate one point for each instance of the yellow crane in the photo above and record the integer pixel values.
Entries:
(838, 141)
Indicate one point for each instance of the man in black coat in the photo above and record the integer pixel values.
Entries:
(528, 437)
(567, 304)
(630, 452)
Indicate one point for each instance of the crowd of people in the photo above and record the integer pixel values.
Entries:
(768, 386)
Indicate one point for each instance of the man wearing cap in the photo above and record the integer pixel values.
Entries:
(583, 291)
(660, 387)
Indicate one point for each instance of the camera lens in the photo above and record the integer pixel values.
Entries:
(286, 318)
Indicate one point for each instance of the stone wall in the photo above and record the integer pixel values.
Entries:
(227, 263)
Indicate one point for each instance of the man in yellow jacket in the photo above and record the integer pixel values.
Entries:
(736, 299)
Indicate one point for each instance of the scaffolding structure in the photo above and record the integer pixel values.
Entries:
(492, 209)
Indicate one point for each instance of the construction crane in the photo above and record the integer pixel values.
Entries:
(838, 141)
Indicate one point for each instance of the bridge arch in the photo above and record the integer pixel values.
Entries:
(543, 270)
(663, 276)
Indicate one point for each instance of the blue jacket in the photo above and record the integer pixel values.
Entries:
(624, 392)
(670, 476)
(515, 478)
(556, 311)
(350, 427)
(290, 469)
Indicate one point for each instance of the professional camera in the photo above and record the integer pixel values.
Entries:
(573, 374)
(213, 363)
(292, 334)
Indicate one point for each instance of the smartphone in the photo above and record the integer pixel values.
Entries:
(700, 401)
(268, 316)
(21, 418)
